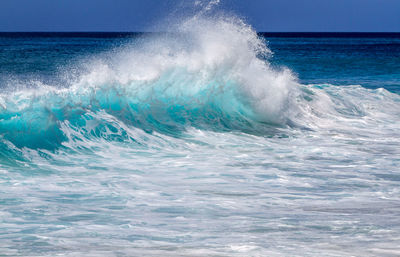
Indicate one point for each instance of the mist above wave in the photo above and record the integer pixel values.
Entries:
(211, 72)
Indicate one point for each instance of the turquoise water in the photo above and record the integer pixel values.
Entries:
(210, 141)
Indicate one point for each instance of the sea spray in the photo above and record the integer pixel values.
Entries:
(208, 74)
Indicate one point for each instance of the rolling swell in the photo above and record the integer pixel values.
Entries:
(211, 80)
(210, 74)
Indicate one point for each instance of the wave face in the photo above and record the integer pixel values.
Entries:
(194, 143)
(208, 74)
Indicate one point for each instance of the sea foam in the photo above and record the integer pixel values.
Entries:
(208, 71)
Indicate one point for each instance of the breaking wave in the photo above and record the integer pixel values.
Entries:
(209, 73)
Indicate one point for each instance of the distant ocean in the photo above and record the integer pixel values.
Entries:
(213, 140)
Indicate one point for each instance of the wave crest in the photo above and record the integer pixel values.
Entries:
(206, 73)
(209, 73)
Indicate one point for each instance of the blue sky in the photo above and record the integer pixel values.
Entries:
(140, 15)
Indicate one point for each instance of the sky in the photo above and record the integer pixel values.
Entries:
(141, 15)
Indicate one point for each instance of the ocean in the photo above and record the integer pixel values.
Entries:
(212, 140)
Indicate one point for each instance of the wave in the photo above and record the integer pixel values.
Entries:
(211, 73)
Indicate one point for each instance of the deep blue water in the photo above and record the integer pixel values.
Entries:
(211, 141)
(370, 59)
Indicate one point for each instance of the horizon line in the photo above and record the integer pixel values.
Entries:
(111, 34)
(123, 31)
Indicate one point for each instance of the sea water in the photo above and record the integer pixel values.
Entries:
(212, 140)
